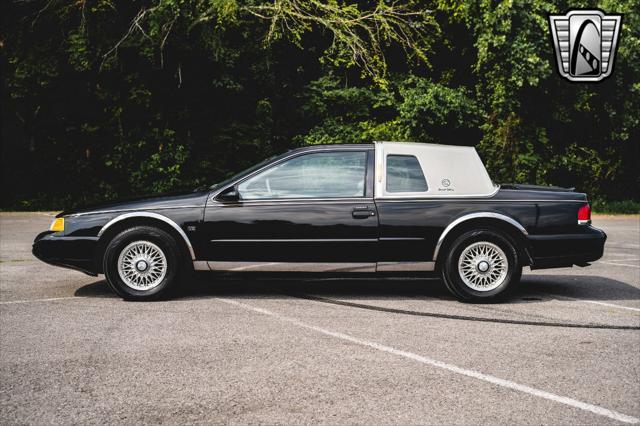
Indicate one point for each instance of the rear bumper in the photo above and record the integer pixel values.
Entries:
(560, 250)
(69, 252)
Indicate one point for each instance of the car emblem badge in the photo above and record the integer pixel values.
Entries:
(585, 42)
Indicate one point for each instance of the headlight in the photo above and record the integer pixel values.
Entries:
(57, 225)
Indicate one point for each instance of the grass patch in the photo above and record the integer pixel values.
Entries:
(615, 207)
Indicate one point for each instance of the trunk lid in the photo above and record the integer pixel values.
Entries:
(526, 187)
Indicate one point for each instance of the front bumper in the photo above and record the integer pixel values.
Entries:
(560, 250)
(69, 252)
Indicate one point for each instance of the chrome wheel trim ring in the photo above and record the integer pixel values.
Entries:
(474, 259)
(142, 265)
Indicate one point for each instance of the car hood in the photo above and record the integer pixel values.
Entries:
(196, 198)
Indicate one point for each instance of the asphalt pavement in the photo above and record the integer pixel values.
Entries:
(563, 349)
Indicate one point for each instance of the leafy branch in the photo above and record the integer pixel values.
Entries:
(362, 34)
(358, 37)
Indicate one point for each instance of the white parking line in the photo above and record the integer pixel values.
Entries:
(10, 302)
(449, 367)
(611, 305)
(624, 259)
(623, 246)
(618, 264)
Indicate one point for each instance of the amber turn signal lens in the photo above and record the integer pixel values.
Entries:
(57, 225)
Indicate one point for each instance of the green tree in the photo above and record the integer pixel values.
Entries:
(107, 99)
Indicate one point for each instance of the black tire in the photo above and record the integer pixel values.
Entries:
(454, 279)
(159, 239)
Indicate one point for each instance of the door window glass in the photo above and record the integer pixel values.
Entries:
(316, 175)
(404, 174)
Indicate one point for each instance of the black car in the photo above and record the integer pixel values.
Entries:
(384, 207)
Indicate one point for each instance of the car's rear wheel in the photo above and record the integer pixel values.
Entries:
(480, 265)
(142, 263)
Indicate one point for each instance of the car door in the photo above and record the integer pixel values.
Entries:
(406, 234)
(314, 206)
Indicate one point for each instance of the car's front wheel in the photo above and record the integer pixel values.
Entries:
(142, 263)
(480, 265)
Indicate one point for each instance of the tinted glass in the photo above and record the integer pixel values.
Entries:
(404, 174)
(245, 172)
(317, 175)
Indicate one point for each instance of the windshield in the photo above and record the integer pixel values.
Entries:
(242, 173)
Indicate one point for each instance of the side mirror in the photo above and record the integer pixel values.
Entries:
(229, 195)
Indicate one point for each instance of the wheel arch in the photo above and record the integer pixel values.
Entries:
(128, 220)
(498, 221)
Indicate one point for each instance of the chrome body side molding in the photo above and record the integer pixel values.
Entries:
(413, 197)
(471, 199)
(231, 266)
(405, 266)
(289, 202)
(296, 240)
(200, 265)
(291, 266)
(479, 215)
(152, 216)
(191, 206)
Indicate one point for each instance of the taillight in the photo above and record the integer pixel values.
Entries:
(584, 215)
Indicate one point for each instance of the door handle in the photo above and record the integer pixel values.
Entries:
(362, 214)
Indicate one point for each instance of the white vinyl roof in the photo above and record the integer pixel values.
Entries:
(450, 171)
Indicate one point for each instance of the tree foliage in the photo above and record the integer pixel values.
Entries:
(105, 99)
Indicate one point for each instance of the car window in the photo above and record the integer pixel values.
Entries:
(245, 172)
(315, 175)
(404, 174)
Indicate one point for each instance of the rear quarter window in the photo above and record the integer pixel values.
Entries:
(404, 174)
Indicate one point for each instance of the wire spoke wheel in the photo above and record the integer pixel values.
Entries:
(142, 265)
(483, 266)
